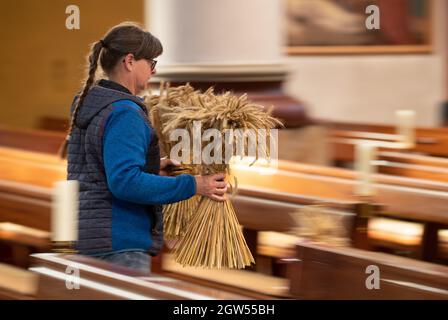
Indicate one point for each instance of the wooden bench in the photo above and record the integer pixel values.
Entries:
(415, 159)
(17, 283)
(32, 168)
(413, 171)
(25, 213)
(343, 137)
(28, 160)
(25, 158)
(267, 213)
(26, 179)
(31, 140)
(318, 272)
(383, 232)
(102, 280)
(413, 166)
(425, 206)
(30, 206)
(349, 174)
(245, 194)
(324, 272)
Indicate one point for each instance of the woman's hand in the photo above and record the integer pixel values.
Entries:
(165, 163)
(212, 186)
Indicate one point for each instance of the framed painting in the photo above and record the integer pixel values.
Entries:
(358, 26)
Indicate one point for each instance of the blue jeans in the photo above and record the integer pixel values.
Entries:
(137, 260)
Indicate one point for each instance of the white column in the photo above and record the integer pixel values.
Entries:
(216, 35)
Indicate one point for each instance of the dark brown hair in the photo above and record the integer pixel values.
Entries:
(125, 38)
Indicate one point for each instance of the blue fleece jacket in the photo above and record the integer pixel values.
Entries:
(125, 142)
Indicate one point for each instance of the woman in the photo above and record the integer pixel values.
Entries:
(113, 152)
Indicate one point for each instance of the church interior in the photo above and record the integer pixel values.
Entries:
(354, 205)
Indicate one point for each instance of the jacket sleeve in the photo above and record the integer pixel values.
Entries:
(125, 143)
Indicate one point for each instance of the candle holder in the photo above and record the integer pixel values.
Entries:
(365, 154)
(64, 247)
(366, 164)
(366, 208)
(406, 127)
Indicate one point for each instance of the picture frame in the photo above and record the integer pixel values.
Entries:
(326, 27)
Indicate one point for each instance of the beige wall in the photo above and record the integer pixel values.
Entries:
(42, 63)
(368, 88)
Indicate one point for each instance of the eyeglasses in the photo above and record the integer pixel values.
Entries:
(153, 63)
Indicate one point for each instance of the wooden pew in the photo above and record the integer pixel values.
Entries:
(260, 210)
(324, 272)
(412, 203)
(17, 284)
(28, 160)
(102, 280)
(44, 170)
(272, 196)
(26, 179)
(413, 171)
(32, 168)
(267, 209)
(31, 160)
(31, 140)
(414, 178)
(424, 206)
(403, 164)
(413, 166)
(41, 170)
(414, 159)
(28, 201)
(349, 174)
(27, 155)
(436, 186)
(25, 213)
(343, 136)
(319, 272)
(30, 206)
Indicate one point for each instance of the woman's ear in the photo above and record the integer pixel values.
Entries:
(129, 61)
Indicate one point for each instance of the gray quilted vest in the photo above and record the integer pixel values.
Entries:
(85, 164)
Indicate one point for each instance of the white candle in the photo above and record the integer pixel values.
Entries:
(406, 126)
(64, 220)
(364, 157)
